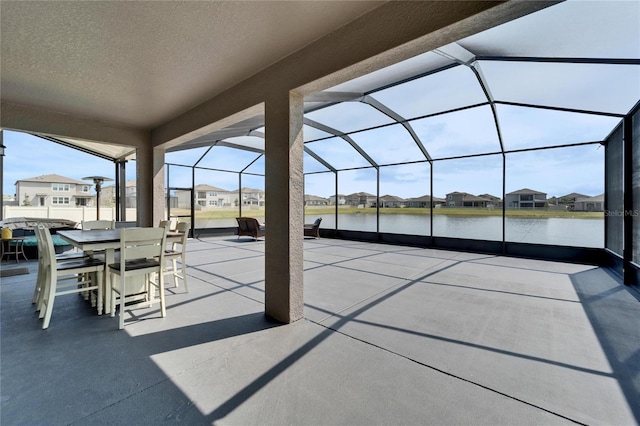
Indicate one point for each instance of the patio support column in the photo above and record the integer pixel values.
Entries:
(150, 197)
(285, 207)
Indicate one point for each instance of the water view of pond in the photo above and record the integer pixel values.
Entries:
(552, 230)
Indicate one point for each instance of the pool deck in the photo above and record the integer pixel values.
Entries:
(392, 335)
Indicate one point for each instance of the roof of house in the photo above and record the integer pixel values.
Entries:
(248, 190)
(205, 187)
(471, 197)
(360, 194)
(391, 198)
(53, 178)
(421, 198)
(426, 198)
(525, 191)
(587, 199)
(575, 196)
(314, 197)
(489, 197)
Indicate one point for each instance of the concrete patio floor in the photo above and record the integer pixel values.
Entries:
(392, 335)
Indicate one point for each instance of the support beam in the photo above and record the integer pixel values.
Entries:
(150, 201)
(284, 183)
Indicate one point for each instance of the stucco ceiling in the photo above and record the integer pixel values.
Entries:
(141, 63)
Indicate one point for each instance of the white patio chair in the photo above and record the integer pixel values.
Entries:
(62, 257)
(141, 253)
(98, 224)
(64, 277)
(88, 225)
(178, 251)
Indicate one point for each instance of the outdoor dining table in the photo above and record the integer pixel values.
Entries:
(99, 240)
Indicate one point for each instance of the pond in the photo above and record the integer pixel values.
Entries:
(547, 230)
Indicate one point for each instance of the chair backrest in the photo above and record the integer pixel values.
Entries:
(41, 244)
(182, 227)
(243, 224)
(249, 224)
(165, 224)
(142, 243)
(317, 222)
(46, 244)
(98, 224)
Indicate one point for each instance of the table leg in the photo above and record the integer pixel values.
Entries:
(106, 282)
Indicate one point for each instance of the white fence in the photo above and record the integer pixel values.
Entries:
(77, 214)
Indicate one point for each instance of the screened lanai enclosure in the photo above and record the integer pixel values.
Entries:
(522, 139)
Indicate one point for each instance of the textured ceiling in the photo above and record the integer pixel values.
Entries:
(141, 63)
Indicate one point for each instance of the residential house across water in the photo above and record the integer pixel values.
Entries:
(53, 191)
(526, 199)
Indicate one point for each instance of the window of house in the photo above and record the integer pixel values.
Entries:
(60, 201)
(202, 203)
(213, 194)
(85, 188)
(213, 203)
(61, 187)
(202, 194)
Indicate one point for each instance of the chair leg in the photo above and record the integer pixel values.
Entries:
(121, 313)
(38, 288)
(48, 302)
(163, 310)
(112, 304)
(98, 278)
(44, 293)
(184, 272)
(174, 265)
(47, 315)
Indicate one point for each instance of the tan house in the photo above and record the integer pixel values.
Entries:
(493, 200)
(390, 201)
(423, 201)
(212, 197)
(314, 200)
(526, 198)
(107, 194)
(53, 191)
(589, 204)
(340, 200)
(464, 199)
(361, 199)
(206, 197)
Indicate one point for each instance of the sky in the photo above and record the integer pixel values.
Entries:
(557, 172)
(28, 156)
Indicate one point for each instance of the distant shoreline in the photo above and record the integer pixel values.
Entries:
(226, 213)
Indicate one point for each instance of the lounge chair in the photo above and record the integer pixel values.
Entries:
(312, 229)
(249, 226)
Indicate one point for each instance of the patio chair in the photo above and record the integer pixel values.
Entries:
(165, 224)
(312, 229)
(249, 226)
(178, 251)
(98, 224)
(141, 253)
(88, 225)
(64, 277)
(42, 262)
